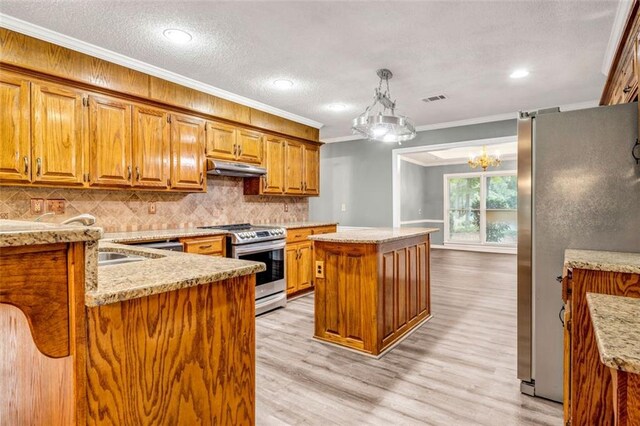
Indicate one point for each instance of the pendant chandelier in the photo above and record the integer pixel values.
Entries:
(484, 160)
(379, 122)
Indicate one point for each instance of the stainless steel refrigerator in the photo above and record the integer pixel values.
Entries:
(578, 187)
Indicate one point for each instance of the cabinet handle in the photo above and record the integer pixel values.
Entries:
(138, 173)
(627, 89)
(239, 150)
(298, 255)
(235, 149)
(38, 166)
(205, 247)
(128, 172)
(26, 165)
(201, 178)
(265, 182)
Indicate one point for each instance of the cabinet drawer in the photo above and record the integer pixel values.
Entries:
(213, 246)
(324, 230)
(300, 234)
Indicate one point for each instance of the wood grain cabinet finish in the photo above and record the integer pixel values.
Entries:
(588, 389)
(15, 128)
(311, 164)
(274, 163)
(210, 246)
(221, 141)
(43, 330)
(58, 131)
(299, 268)
(294, 168)
(371, 295)
(110, 142)
(250, 146)
(151, 147)
(187, 152)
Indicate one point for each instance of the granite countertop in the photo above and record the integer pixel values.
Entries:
(297, 225)
(160, 234)
(616, 321)
(24, 233)
(162, 271)
(602, 260)
(373, 235)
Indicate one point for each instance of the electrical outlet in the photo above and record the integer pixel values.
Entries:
(420, 212)
(343, 207)
(56, 206)
(152, 207)
(286, 207)
(37, 206)
(319, 269)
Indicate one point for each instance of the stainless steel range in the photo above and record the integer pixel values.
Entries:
(261, 244)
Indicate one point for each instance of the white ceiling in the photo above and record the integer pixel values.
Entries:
(460, 155)
(463, 49)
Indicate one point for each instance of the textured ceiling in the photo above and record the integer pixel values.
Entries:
(465, 50)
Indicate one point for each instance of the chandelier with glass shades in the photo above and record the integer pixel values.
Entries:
(484, 160)
(379, 121)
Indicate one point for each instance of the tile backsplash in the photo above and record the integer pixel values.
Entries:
(125, 210)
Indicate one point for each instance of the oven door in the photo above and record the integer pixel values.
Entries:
(271, 253)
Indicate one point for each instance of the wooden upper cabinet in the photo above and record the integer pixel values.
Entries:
(15, 128)
(110, 142)
(274, 163)
(58, 134)
(187, 152)
(311, 169)
(221, 141)
(151, 147)
(294, 179)
(249, 146)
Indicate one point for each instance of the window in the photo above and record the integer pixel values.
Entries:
(481, 208)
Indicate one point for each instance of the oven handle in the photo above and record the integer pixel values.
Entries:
(258, 247)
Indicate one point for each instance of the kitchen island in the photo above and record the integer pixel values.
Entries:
(372, 286)
(166, 339)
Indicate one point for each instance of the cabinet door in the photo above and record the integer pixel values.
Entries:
(293, 178)
(15, 127)
(305, 260)
(187, 152)
(58, 134)
(274, 163)
(151, 152)
(311, 170)
(249, 146)
(221, 141)
(110, 142)
(291, 270)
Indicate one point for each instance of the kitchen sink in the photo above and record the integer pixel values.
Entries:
(106, 258)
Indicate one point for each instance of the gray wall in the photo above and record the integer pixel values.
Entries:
(358, 174)
(423, 188)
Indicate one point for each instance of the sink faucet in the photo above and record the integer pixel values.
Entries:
(85, 219)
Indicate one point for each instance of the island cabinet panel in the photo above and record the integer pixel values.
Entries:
(15, 128)
(368, 296)
(589, 400)
(151, 147)
(189, 357)
(109, 142)
(58, 134)
(42, 327)
(187, 152)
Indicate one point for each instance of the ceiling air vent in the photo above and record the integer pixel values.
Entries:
(434, 98)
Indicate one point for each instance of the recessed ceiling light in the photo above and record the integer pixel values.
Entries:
(283, 83)
(337, 107)
(177, 36)
(521, 73)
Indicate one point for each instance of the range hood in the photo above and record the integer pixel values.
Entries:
(227, 168)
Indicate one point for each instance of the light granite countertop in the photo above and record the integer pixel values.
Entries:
(298, 225)
(160, 234)
(162, 271)
(23, 233)
(616, 322)
(602, 260)
(373, 235)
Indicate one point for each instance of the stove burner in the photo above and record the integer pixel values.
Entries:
(245, 233)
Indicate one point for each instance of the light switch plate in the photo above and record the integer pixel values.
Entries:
(343, 207)
(37, 206)
(56, 206)
(286, 207)
(152, 207)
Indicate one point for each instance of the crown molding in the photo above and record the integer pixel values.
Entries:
(32, 30)
(619, 21)
(471, 121)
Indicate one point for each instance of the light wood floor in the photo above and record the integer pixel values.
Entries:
(457, 369)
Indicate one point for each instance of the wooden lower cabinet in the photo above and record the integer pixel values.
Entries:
(588, 388)
(299, 258)
(211, 246)
(368, 296)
